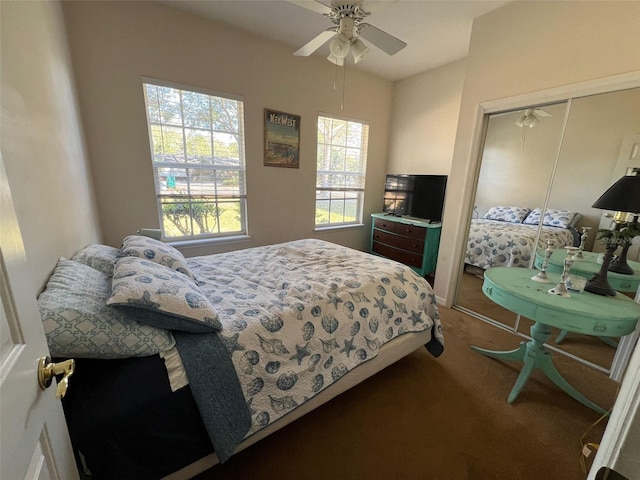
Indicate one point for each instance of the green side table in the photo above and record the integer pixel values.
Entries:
(585, 313)
(587, 267)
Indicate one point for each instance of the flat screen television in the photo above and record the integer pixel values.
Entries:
(420, 196)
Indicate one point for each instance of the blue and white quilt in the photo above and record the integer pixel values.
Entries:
(297, 316)
(493, 243)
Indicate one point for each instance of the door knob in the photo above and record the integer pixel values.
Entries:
(47, 370)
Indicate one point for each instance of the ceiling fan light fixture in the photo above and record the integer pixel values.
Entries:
(335, 60)
(527, 120)
(358, 50)
(339, 46)
(531, 121)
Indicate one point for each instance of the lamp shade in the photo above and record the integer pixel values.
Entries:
(622, 196)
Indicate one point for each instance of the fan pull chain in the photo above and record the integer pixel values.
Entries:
(344, 79)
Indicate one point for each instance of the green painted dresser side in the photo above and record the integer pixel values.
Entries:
(412, 241)
(584, 312)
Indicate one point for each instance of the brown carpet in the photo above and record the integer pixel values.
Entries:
(444, 418)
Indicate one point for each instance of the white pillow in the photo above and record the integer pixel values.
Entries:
(161, 297)
(507, 214)
(157, 252)
(100, 257)
(78, 323)
(553, 218)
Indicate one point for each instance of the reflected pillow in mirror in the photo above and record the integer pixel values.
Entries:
(553, 218)
(507, 214)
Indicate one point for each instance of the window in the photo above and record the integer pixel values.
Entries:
(197, 145)
(341, 168)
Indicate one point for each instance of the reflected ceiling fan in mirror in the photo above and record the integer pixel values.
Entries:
(529, 119)
(347, 31)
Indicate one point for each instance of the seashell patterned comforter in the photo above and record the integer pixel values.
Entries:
(298, 316)
(493, 243)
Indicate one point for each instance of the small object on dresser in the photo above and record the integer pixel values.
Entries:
(583, 239)
(561, 288)
(541, 276)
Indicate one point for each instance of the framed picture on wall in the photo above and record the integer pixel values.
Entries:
(281, 139)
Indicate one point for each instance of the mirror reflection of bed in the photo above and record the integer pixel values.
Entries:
(519, 174)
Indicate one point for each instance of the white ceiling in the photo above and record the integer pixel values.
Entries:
(437, 31)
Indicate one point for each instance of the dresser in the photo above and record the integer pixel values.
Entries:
(407, 240)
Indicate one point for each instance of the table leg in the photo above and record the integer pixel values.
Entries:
(608, 340)
(535, 355)
(561, 336)
(549, 369)
(517, 354)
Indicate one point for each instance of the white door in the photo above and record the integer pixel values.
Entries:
(34, 441)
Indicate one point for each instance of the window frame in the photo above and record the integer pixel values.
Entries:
(361, 174)
(195, 198)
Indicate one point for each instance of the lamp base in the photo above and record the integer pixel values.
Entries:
(599, 289)
(620, 265)
(598, 284)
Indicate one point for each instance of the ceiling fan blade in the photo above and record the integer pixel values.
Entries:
(384, 41)
(315, 44)
(314, 6)
(542, 113)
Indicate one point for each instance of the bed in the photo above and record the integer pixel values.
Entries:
(505, 236)
(166, 388)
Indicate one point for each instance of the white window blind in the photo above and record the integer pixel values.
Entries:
(197, 147)
(341, 170)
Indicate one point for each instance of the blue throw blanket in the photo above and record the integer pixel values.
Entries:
(215, 388)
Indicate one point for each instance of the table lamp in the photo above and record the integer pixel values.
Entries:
(622, 196)
(619, 263)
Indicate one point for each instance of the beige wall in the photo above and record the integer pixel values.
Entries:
(512, 175)
(114, 43)
(521, 48)
(41, 140)
(424, 119)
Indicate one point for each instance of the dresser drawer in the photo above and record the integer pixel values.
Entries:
(405, 243)
(411, 231)
(402, 256)
(411, 241)
(384, 225)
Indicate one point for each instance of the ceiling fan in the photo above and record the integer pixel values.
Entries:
(347, 30)
(530, 118)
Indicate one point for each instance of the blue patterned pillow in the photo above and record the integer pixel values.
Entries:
(157, 252)
(553, 218)
(507, 214)
(100, 257)
(78, 323)
(162, 297)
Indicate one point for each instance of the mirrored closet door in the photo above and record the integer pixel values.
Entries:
(558, 158)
